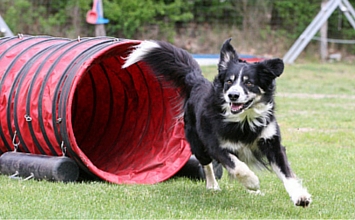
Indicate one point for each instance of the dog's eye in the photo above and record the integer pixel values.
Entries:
(229, 82)
(249, 84)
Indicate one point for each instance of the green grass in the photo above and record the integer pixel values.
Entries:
(318, 132)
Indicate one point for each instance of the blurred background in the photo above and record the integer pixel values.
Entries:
(265, 28)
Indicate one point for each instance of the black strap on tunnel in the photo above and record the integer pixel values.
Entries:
(55, 119)
(66, 88)
(2, 83)
(41, 93)
(60, 90)
(39, 107)
(23, 73)
(5, 40)
(16, 85)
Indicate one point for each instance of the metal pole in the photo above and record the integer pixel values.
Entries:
(323, 36)
(5, 29)
(310, 31)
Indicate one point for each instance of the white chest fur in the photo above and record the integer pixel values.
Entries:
(245, 151)
(242, 151)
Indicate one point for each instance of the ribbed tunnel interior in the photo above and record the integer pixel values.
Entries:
(124, 119)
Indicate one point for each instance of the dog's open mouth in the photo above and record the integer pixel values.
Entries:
(238, 107)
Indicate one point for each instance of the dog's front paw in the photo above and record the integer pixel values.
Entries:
(303, 200)
(298, 194)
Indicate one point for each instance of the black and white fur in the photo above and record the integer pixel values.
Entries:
(231, 119)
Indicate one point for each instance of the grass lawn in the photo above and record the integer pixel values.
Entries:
(316, 112)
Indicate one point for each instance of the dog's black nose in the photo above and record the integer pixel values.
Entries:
(233, 96)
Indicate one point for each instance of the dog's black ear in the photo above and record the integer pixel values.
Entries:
(271, 68)
(228, 54)
(268, 70)
(274, 66)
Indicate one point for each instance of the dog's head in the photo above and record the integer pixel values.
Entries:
(246, 85)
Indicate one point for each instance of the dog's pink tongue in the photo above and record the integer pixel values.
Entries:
(236, 106)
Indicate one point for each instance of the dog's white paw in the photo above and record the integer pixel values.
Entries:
(243, 174)
(256, 192)
(303, 200)
(298, 194)
(213, 187)
(250, 181)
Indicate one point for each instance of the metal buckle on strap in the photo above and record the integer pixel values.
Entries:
(14, 142)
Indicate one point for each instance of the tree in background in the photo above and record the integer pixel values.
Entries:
(129, 17)
(50, 17)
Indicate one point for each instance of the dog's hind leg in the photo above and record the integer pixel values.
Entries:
(276, 155)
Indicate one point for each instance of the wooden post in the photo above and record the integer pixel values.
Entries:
(100, 28)
(323, 36)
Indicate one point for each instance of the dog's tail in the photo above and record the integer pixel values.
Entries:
(173, 64)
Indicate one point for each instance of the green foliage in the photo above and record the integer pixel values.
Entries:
(340, 28)
(129, 16)
(294, 16)
(214, 11)
(22, 15)
(56, 17)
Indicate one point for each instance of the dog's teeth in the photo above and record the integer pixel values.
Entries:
(236, 107)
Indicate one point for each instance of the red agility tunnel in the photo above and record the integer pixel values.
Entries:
(60, 96)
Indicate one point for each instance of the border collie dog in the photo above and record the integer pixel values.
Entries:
(230, 120)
